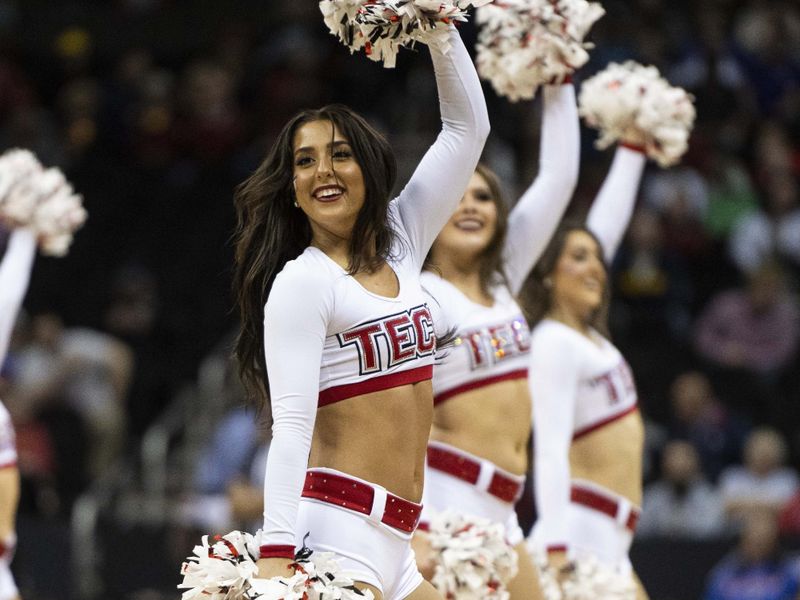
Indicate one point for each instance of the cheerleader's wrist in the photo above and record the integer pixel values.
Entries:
(632, 146)
(276, 551)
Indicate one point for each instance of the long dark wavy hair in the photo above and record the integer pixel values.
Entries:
(536, 298)
(490, 261)
(271, 230)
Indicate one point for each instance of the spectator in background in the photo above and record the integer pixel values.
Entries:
(650, 280)
(755, 570)
(682, 504)
(755, 329)
(698, 417)
(772, 232)
(764, 482)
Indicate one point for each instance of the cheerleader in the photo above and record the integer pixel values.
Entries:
(15, 271)
(477, 457)
(346, 352)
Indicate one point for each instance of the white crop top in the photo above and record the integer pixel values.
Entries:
(15, 273)
(492, 342)
(326, 338)
(372, 342)
(577, 386)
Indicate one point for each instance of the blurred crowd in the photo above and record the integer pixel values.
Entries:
(156, 109)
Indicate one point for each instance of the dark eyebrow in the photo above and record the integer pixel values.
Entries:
(331, 146)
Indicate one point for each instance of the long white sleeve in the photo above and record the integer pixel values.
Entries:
(439, 181)
(555, 368)
(535, 217)
(15, 274)
(295, 321)
(612, 208)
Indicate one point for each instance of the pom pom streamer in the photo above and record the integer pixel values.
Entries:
(224, 568)
(634, 104)
(42, 199)
(588, 580)
(382, 27)
(473, 561)
(524, 44)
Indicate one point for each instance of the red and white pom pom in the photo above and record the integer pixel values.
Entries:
(224, 568)
(18, 199)
(473, 560)
(41, 199)
(588, 580)
(636, 105)
(524, 44)
(382, 27)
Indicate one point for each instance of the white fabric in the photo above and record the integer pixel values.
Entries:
(612, 208)
(444, 492)
(305, 309)
(737, 484)
(592, 534)
(8, 589)
(576, 384)
(536, 215)
(15, 272)
(8, 446)
(366, 551)
(491, 341)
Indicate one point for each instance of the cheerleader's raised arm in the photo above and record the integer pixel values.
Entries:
(612, 208)
(436, 187)
(15, 272)
(535, 217)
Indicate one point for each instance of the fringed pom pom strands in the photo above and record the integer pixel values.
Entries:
(39, 198)
(524, 44)
(382, 27)
(224, 568)
(473, 560)
(587, 579)
(632, 103)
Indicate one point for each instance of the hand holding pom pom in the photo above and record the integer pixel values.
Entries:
(473, 559)
(524, 44)
(224, 568)
(633, 104)
(41, 199)
(382, 27)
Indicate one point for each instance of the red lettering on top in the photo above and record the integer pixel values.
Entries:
(423, 326)
(401, 345)
(364, 339)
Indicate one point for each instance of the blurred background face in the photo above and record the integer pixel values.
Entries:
(691, 394)
(472, 227)
(680, 464)
(579, 277)
(759, 537)
(764, 452)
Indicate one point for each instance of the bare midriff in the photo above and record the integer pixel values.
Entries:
(380, 437)
(492, 422)
(611, 457)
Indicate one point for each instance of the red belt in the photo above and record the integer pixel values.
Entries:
(603, 504)
(358, 496)
(502, 486)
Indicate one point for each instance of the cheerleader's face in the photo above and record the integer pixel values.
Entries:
(579, 278)
(328, 181)
(472, 227)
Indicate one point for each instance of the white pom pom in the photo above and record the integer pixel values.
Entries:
(382, 27)
(524, 44)
(42, 199)
(473, 560)
(634, 104)
(589, 580)
(224, 568)
(17, 199)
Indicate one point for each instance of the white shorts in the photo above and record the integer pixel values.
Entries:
(444, 491)
(8, 589)
(591, 533)
(367, 550)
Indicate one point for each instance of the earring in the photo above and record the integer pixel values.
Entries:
(548, 283)
(296, 205)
